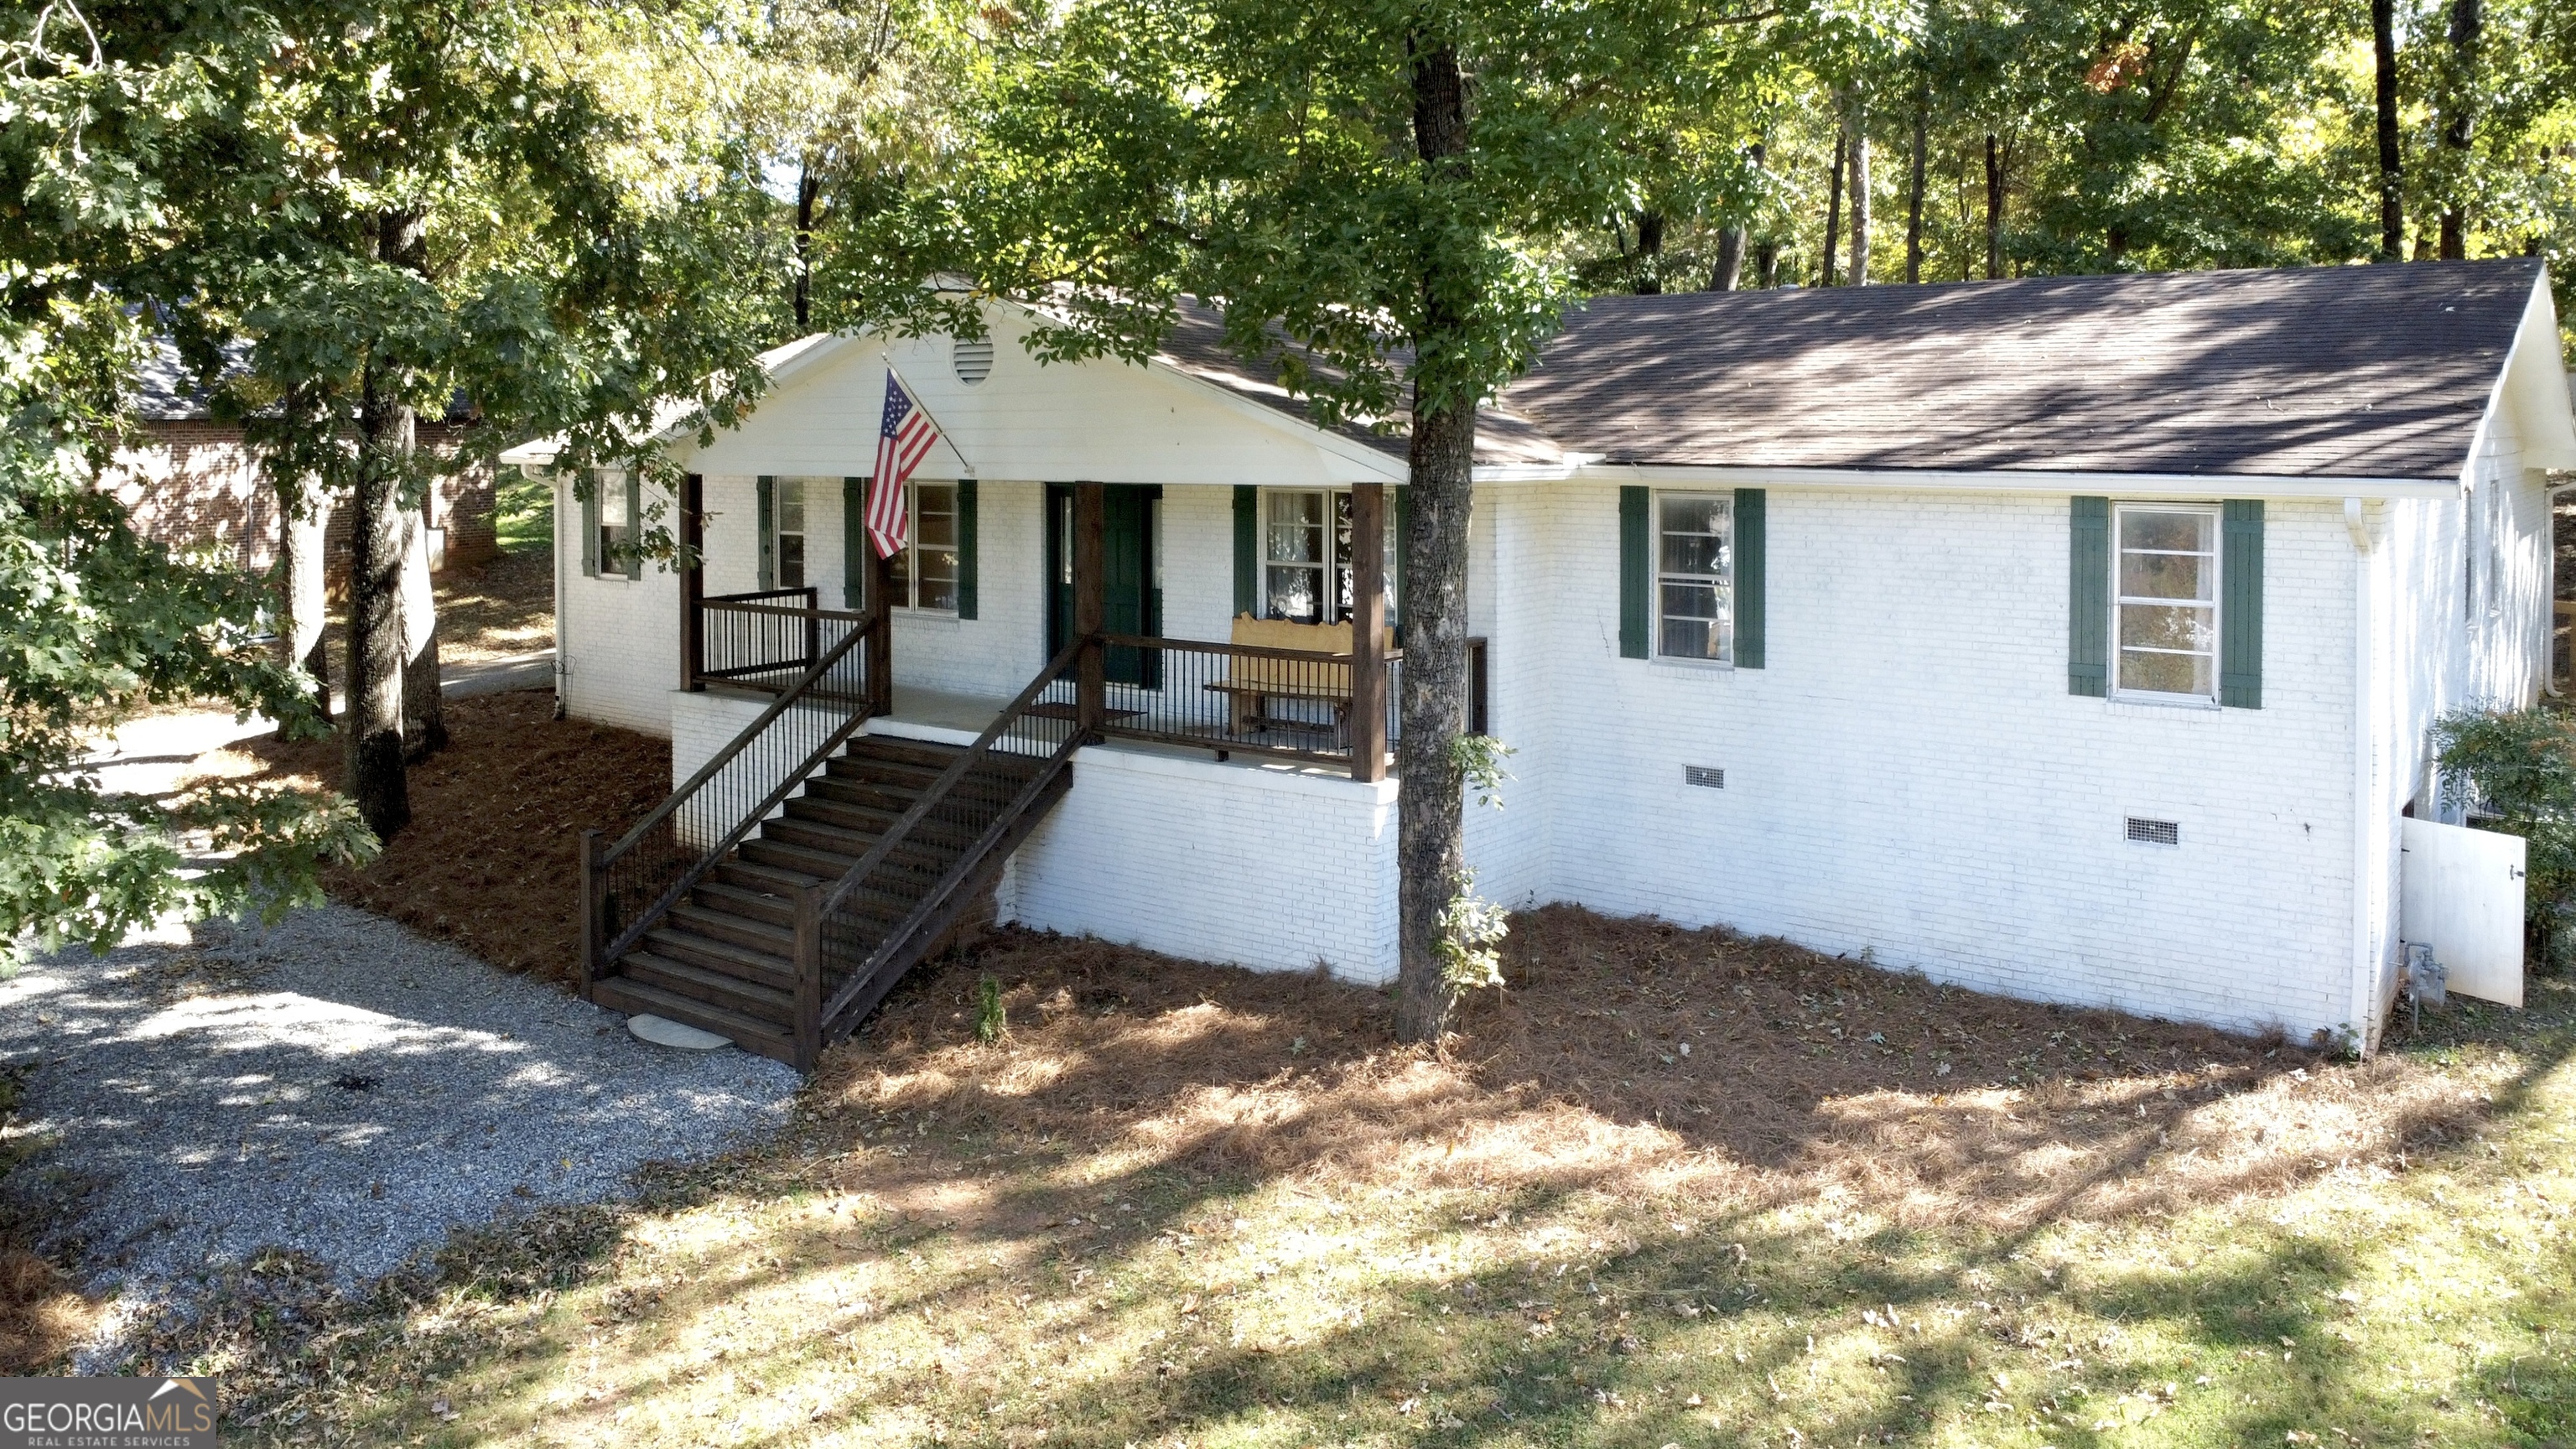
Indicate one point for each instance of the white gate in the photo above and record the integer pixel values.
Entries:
(2460, 891)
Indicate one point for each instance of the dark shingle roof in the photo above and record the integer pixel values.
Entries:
(2379, 372)
(1196, 345)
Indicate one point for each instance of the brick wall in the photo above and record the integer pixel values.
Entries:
(192, 484)
(1910, 778)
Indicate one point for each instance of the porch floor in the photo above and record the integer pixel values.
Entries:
(970, 714)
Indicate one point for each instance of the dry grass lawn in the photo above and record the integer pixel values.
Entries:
(1673, 1188)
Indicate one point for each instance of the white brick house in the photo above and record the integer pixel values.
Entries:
(2073, 638)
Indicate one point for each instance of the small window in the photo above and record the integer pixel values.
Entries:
(1694, 576)
(612, 506)
(790, 539)
(1306, 555)
(2165, 592)
(925, 568)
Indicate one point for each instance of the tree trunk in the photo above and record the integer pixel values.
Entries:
(1650, 253)
(1914, 191)
(1994, 209)
(1730, 242)
(374, 729)
(807, 189)
(424, 717)
(303, 599)
(1859, 195)
(1430, 853)
(1766, 264)
(2468, 19)
(2392, 187)
(1834, 208)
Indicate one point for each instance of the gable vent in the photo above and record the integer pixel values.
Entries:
(973, 360)
(1704, 775)
(2155, 832)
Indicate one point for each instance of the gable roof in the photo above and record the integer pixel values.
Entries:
(2363, 372)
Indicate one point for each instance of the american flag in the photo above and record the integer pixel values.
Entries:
(903, 441)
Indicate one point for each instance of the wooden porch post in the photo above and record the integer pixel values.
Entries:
(1090, 605)
(1368, 631)
(880, 642)
(693, 583)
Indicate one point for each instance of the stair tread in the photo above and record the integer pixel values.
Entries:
(717, 917)
(747, 957)
(774, 1002)
(626, 994)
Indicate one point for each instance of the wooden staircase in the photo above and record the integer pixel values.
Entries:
(724, 957)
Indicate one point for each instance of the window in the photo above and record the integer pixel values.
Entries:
(790, 533)
(1306, 555)
(1695, 576)
(2165, 601)
(611, 509)
(925, 568)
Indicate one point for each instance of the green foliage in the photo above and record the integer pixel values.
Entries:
(2521, 766)
(1479, 759)
(991, 1022)
(1470, 937)
(96, 623)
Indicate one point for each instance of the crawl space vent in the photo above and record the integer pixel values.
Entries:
(2155, 832)
(973, 360)
(1703, 775)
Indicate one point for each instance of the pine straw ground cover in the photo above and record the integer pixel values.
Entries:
(489, 859)
(1673, 1188)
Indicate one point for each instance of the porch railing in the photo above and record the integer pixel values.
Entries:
(630, 885)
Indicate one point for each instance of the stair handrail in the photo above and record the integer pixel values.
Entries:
(938, 791)
(644, 920)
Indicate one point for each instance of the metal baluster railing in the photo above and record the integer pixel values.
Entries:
(627, 887)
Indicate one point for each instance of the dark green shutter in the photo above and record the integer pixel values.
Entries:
(965, 548)
(634, 523)
(854, 540)
(2240, 606)
(586, 497)
(1247, 550)
(1636, 575)
(1752, 550)
(768, 521)
(2088, 597)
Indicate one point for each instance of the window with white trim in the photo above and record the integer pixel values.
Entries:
(610, 511)
(925, 568)
(2164, 602)
(1306, 554)
(1695, 577)
(788, 534)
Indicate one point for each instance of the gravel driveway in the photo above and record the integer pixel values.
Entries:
(336, 1086)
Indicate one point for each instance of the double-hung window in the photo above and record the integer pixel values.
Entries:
(788, 536)
(1695, 577)
(1306, 555)
(2165, 601)
(925, 568)
(609, 519)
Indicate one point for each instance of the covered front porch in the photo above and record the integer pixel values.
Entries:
(1306, 671)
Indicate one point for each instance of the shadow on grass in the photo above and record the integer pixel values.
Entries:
(1195, 1205)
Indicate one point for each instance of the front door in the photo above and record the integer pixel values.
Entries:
(1134, 602)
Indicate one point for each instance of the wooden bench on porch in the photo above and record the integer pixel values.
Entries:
(1254, 680)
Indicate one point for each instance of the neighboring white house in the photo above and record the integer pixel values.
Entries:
(2071, 638)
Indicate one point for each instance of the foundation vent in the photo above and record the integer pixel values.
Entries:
(973, 360)
(2155, 832)
(1704, 775)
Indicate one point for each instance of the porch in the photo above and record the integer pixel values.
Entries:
(1320, 695)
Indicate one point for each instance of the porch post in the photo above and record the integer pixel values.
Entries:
(693, 582)
(1368, 631)
(879, 647)
(1090, 605)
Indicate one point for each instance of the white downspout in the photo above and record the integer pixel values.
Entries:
(2365, 967)
(563, 648)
